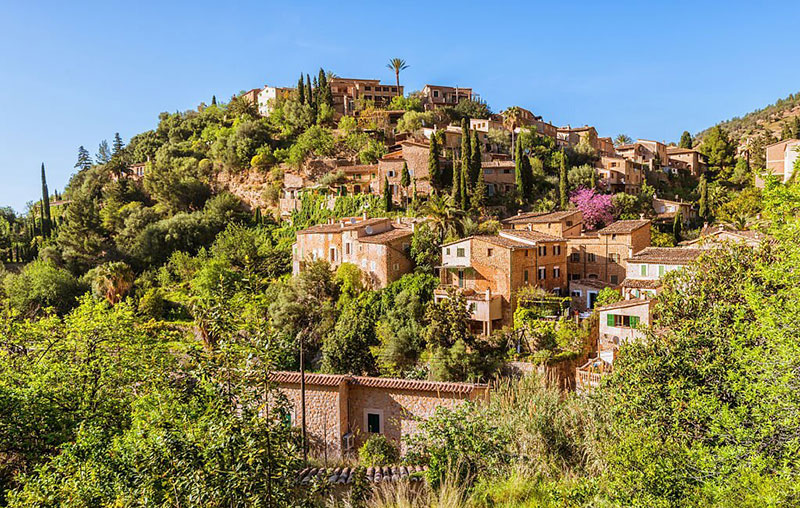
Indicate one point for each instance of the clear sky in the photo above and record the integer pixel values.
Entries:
(73, 73)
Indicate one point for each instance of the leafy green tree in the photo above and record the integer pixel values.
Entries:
(117, 145)
(82, 237)
(466, 152)
(623, 139)
(455, 188)
(301, 90)
(41, 285)
(405, 180)
(519, 176)
(111, 281)
(686, 140)
(703, 204)
(377, 450)
(347, 349)
(465, 188)
(719, 150)
(310, 93)
(742, 174)
(479, 193)
(103, 153)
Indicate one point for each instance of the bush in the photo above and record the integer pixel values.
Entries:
(41, 285)
(152, 304)
(378, 451)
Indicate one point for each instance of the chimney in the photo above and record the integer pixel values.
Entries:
(641, 216)
(364, 215)
(530, 227)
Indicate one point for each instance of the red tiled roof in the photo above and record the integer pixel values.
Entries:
(376, 382)
(641, 283)
(341, 225)
(592, 283)
(625, 303)
(666, 255)
(500, 241)
(623, 226)
(532, 236)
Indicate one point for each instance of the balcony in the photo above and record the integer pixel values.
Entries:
(483, 305)
(589, 375)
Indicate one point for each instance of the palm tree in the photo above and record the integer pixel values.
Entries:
(397, 65)
(623, 139)
(442, 214)
(511, 120)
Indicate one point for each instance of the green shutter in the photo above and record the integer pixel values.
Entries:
(660, 270)
(634, 321)
(644, 271)
(610, 320)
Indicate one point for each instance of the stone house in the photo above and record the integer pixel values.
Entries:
(566, 224)
(694, 161)
(712, 237)
(499, 177)
(603, 254)
(583, 293)
(377, 246)
(269, 95)
(390, 167)
(349, 94)
(666, 209)
(647, 267)
(489, 270)
(780, 160)
(620, 174)
(434, 96)
(620, 322)
(342, 411)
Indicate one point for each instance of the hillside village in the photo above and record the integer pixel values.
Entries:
(371, 268)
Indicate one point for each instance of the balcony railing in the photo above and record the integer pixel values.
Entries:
(585, 380)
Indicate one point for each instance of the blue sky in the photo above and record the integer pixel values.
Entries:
(73, 75)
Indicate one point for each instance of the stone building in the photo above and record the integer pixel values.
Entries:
(621, 322)
(602, 254)
(620, 174)
(499, 177)
(667, 209)
(489, 270)
(349, 94)
(269, 95)
(695, 161)
(712, 237)
(583, 293)
(566, 224)
(647, 267)
(781, 159)
(342, 411)
(434, 96)
(390, 167)
(378, 246)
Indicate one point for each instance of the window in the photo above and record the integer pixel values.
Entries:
(391, 173)
(575, 294)
(367, 87)
(542, 273)
(372, 265)
(436, 93)
(622, 321)
(525, 276)
(460, 252)
(543, 250)
(574, 276)
(575, 257)
(347, 248)
(661, 269)
(447, 251)
(556, 272)
(615, 279)
(396, 267)
(569, 223)
(643, 270)
(473, 307)
(333, 254)
(506, 171)
(461, 278)
(556, 250)
(591, 258)
(373, 421)
(489, 252)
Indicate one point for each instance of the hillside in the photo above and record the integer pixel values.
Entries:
(770, 119)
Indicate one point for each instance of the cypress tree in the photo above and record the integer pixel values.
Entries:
(686, 140)
(387, 195)
(434, 170)
(309, 91)
(325, 96)
(527, 173)
(45, 206)
(456, 187)
(518, 177)
(703, 203)
(562, 182)
(594, 178)
(677, 228)
(466, 149)
(479, 194)
(475, 166)
(465, 188)
(213, 100)
(301, 90)
(405, 179)
(414, 192)
(257, 216)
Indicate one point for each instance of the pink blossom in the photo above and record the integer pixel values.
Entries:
(597, 208)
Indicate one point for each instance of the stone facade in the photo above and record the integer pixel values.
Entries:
(377, 246)
(340, 406)
(390, 167)
(621, 322)
(695, 161)
(434, 96)
(565, 224)
(349, 94)
(602, 255)
(781, 157)
(583, 293)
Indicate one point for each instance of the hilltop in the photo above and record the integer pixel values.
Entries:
(772, 120)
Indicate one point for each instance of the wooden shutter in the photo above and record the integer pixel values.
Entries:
(610, 320)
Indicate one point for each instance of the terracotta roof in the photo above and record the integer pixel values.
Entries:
(539, 217)
(341, 225)
(346, 475)
(532, 236)
(625, 303)
(415, 143)
(358, 168)
(674, 150)
(387, 236)
(393, 155)
(592, 283)
(626, 147)
(623, 226)
(376, 382)
(500, 241)
(666, 255)
(641, 283)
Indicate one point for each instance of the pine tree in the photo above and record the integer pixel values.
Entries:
(103, 153)
(466, 149)
(434, 170)
(213, 100)
(387, 195)
(301, 90)
(686, 140)
(702, 188)
(562, 182)
(118, 145)
(45, 206)
(796, 127)
(84, 159)
(475, 156)
(518, 177)
(677, 228)
(594, 178)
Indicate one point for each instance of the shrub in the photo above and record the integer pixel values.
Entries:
(41, 285)
(378, 451)
(152, 304)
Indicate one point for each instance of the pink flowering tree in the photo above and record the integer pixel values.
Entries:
(597, 209)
